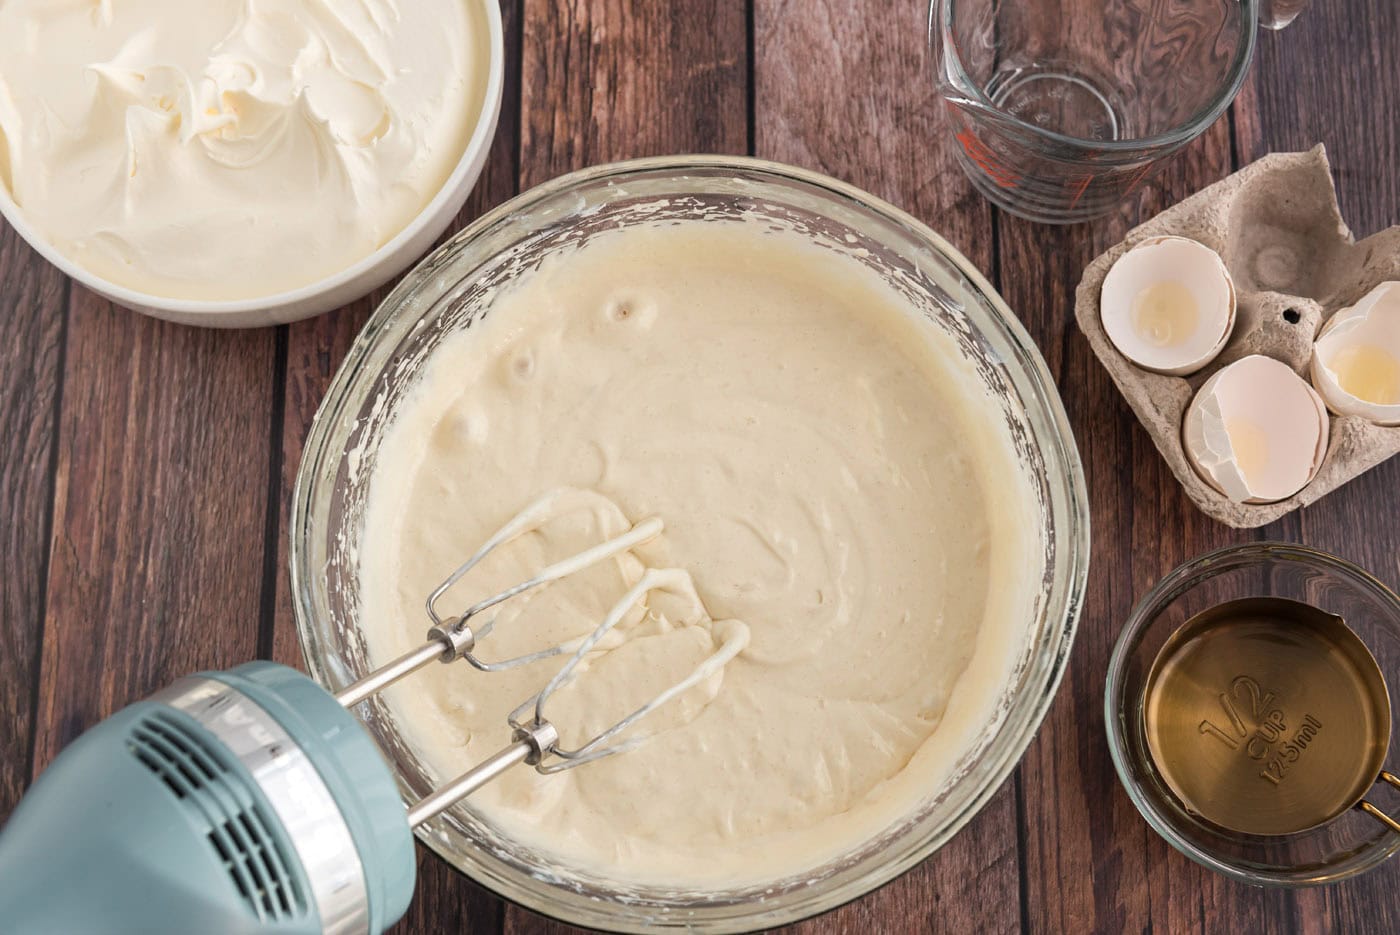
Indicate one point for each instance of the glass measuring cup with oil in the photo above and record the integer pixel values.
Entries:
(1268, 716)
(1248, 713)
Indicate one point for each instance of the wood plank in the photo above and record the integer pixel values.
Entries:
(33, 296)
(1334, 77)
(847, 89)
(446, 901)
(159, 511)
(604, 81)
(948, 892)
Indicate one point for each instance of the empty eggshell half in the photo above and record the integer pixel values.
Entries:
(1256, 431)
(1168, 305)
(1356, 359)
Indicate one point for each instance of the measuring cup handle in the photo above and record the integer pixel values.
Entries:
(1276, 14)
(1389, 779)
(1379, 815)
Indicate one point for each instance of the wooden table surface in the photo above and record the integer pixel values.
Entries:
(146, 469)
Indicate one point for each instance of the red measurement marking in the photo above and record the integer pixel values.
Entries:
(1079, 184)
(981, 154)
(1141, 174)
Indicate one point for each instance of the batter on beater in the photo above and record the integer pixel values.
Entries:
(830, 472)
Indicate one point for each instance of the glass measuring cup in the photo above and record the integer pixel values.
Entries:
(1061, 108)
(1268, 716)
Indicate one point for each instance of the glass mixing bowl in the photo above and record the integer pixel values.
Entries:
(454, 286)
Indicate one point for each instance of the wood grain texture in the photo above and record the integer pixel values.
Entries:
(159, 511)
(603, 80)
(146, 469)
(847, 89)
(445, 901)
(32, 300)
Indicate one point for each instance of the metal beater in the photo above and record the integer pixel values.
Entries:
(250, 800)
(535, 739)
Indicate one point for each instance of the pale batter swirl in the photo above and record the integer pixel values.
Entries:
(830, 472)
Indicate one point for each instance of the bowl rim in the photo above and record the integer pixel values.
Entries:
(1064, 596)
(1114, 714)
(455, 188)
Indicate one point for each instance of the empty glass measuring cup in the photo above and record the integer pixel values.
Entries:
(1061, 108)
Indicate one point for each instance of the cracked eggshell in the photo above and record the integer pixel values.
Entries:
(1256, 431)
(1189, 272)
(1356, 359)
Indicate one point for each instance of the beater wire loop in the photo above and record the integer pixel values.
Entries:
(733, 638)
(527, 520)
(536, 740)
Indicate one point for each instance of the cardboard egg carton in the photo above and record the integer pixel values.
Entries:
(1294, 262)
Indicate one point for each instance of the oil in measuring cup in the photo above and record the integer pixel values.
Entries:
(1267, 716)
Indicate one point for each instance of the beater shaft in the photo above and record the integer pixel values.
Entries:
(431, 806)
(384, 676)
(528, 746)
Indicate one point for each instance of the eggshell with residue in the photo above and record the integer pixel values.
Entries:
(1198, 278)
(1256, 431)
(1371, 328)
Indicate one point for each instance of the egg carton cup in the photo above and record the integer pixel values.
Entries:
(1294, 262)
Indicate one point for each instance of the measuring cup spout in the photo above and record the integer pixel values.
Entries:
(1276, 14)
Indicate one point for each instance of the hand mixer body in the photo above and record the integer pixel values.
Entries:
(252, 801)
(240, 801)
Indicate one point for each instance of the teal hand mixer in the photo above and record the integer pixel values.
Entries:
(251, 800)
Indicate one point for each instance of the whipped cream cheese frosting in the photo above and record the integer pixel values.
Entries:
(836, 484)
(232, 149)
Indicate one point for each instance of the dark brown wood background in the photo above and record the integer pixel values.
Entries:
(145, 468)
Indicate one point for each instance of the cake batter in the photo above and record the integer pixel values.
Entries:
(832, 476)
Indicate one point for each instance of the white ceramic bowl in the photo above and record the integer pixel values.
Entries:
(331, 292)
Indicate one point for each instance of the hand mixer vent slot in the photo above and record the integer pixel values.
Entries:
(253, 863)
(217, 797)
(166, 748)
